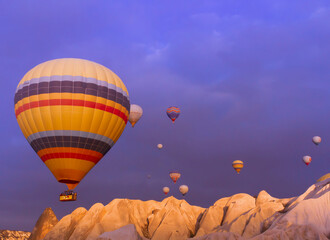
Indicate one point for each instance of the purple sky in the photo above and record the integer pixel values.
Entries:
(252, 79)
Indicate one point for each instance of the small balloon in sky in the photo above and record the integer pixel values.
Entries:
(183, 189)
(175, 176)
(166, 190)
(159, 146)
(173, 113)
(135, 114)
(237, 165)
(317, 140)
(307, 159)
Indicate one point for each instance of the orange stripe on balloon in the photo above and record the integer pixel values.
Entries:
(70, 102)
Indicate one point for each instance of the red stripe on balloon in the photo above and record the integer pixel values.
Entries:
(93, 159)
(70, 102)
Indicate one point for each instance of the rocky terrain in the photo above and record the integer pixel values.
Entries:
(240, 216)
(14, 235)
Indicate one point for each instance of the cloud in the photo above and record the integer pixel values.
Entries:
(156, 53)
(319, 12)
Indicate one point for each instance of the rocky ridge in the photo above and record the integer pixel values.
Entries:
(240, 216)
(14, 235)
(45, 223)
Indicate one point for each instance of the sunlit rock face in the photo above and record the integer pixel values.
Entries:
(324, 177)
(304, 217)
(45, 223)
(169, 219)
(14, 235)
(240, 216)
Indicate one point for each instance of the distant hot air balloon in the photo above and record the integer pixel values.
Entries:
(71, 111)
(183, 189)
(307, 160)
(317, 140)
(175, 176)
(173, 113)
(166, 190)
(159, 146)
(237, 165)
(135, 114)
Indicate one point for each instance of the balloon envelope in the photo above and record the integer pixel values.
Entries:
(173, 113)
(237, 165)
(307, 160)
(183, 189)
(135, 114)
(317, 140)
(175, 176)
(166, 190)
(159, 146)
(71, 111)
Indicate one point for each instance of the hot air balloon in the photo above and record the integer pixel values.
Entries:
(317, 140)
(175, 176)
(173, 113)
(166, 190)
(183, 189)
(237, 165)
(135, 114)
(307, 160)
(71, 111)
(159, 146)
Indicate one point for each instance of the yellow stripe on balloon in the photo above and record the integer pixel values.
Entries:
(57, 165)
(74, 118)
(120, 125)
(68, 175)
(74, 67)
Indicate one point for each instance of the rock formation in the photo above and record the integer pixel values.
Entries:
(240, 216)
(14, 235)
(326, 176)
(126, 232)
(45, 223)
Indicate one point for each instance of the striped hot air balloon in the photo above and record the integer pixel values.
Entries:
(175, 176)
(237, 165)
(71, 111)
(173, 113)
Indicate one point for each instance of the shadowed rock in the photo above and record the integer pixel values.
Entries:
(127, 232)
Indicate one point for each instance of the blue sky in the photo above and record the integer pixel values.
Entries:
(251, 79)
